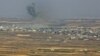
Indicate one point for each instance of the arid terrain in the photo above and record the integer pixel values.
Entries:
(75, 41)
(39, 44)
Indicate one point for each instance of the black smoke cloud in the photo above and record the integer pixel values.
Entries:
(51, 9)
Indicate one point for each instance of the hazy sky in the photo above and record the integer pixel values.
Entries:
(14, 8)
(71, 8)
(59, 9)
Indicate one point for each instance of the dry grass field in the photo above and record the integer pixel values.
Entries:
(39, 44)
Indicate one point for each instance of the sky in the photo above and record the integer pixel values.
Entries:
(52, 9)
(14, 8)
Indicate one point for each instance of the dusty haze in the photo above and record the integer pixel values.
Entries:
(51, 9)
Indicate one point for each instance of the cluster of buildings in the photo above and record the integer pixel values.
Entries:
(72, 32)
(75, 33)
